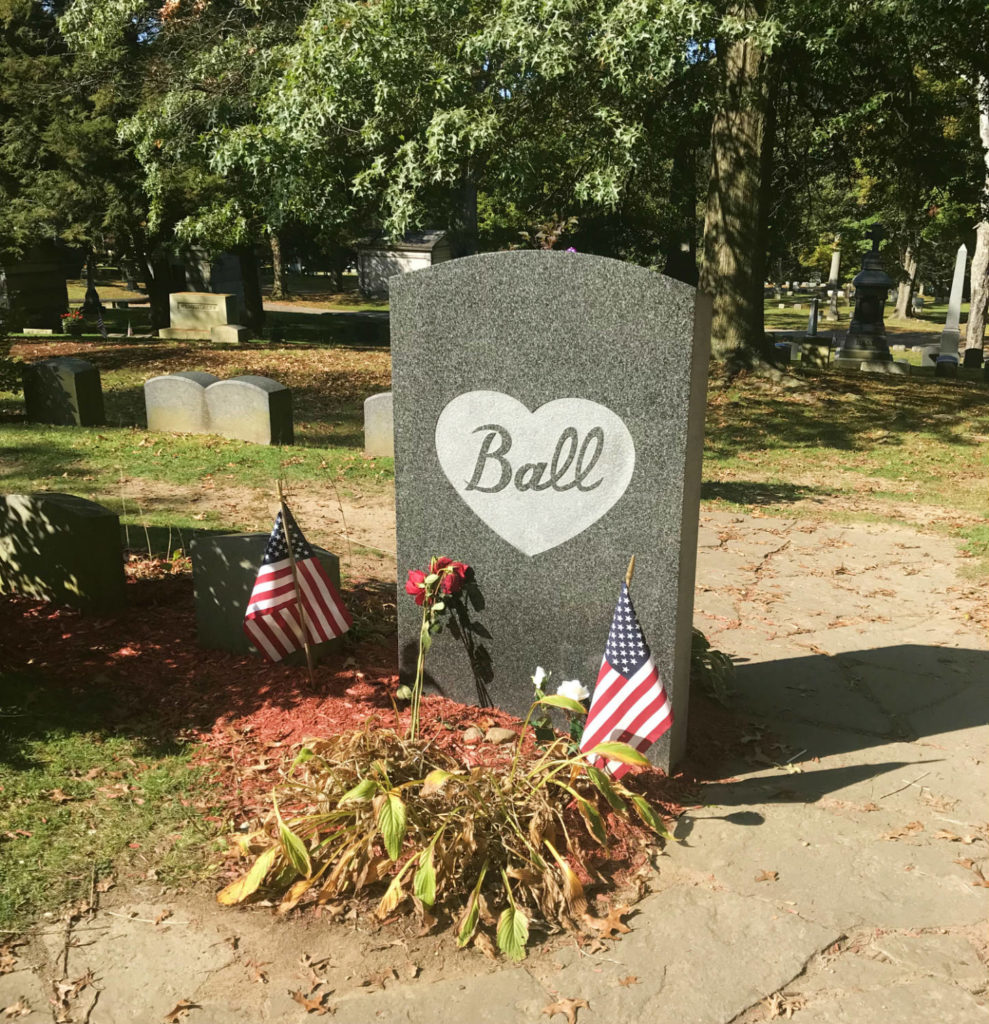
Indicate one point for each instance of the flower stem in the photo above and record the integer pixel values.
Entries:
(420, 672)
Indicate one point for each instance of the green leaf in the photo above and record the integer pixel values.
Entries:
(513, 933)
(605, 788)
(595, 823)
(652, 819)
(295, 850)
(361, 793)
(403, 693)
(438, 606)
(425, 641)
(424, 883)
(556, 700)
(619, 752)
(391, 821)
(305, 754)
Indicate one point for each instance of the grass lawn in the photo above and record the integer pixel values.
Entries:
(80, 787)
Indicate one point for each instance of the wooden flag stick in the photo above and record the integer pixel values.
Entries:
(298, 591)
(631, 569)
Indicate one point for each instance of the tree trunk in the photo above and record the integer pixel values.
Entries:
(681, 249)
(158, 280)
(279, 290)
(253, 300)
(904, 290)
(732, 268)
(979, 294)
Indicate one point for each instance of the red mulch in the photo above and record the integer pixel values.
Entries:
(248, 715)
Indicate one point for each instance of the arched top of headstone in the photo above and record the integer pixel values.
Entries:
(184, 379)
(70, 503)
(253, 380)
(70, 364)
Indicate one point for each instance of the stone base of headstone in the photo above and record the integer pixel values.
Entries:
(972, 358)
(224, 569)
(184, 333)
(38, 332)
(61, 548)
(872, 366)
(229, 334)
(64, 391)
(379, 426)
(816, 353)
(946, 366)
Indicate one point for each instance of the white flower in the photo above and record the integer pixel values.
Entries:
(538, 677)
(573, 689)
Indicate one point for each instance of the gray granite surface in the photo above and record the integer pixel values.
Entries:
(64, 390)
(61, 548)
(177, 402)
(597, 369)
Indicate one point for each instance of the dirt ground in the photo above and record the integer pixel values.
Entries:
(861, 651)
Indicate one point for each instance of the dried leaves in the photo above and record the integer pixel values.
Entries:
(567, 1006)
(780, 1005)
(179, 1011)
(767, 875)
(610, 926)
(910, 828)
(314, 1002)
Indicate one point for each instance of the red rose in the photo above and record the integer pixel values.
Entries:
(453, 578)
(416, 585)
(439, 564)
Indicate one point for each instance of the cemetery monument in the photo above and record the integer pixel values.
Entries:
(549, 413)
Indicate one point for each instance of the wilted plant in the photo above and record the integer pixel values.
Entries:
(370, 804)
(712, 668)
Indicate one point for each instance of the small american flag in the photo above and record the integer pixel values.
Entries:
(629, 703)
(272, 620)
(99, 320)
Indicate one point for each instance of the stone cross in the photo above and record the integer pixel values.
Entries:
(833, 284)
(947, 360)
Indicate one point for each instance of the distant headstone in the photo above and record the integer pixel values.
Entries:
(812, 318)
(63, 390)
(224, 568)
(833, 284)
(918, 303)
(547, 459)
(34, 288)
(947, 360)
(177, 402)
(379, 425)
(251, 408)
(193, 314)
(61, 548)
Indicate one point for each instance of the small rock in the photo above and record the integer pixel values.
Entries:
(498, 735)
(473, 735)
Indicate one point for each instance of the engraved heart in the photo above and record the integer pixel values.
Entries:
(535, 478)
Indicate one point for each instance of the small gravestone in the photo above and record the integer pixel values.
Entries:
(65, 391)
(251, 408)
(177, 402)
(194, 314)
(224, 568)
(379, 425)
(61, 548)
(545, 458)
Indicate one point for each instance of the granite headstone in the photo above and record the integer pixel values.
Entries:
(64, 390)
(251, 408)
(549, 412)
(61, 548)
(177, 402)
(224, 568)
(193, 314)
(379, 425)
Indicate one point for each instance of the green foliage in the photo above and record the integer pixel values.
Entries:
(712, 669)
(370, 806)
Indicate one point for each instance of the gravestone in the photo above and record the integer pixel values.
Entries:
(947, 360)
(545, 457)
(177, 402)
(379, 425)
(193, 314)
(61, 548)
(250, 408)
(34, 288)
(224, 568)
(64, 390)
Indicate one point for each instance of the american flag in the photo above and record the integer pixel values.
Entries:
(629, 703)
(99, 320)
(272, 621)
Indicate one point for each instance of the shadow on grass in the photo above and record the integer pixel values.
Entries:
(743, 492)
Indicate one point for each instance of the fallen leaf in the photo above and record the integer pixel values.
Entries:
(179, 1010)
(630, 979)
(767, 876)
(57, 796)
(163, 916)
(567, 1006)
(610, 926)
(482, 941)
(904, 830)
(378, 980)
(258, 973)
(106, 884)
(18, 1009)
(953, 837)
(311, 1004)
(870, 806)
(779, 1005)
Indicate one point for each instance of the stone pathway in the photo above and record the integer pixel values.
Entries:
(833, 877)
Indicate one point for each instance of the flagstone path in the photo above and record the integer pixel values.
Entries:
(835, 877)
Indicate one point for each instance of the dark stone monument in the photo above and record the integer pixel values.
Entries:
(251, 408)
(549, 412)
(61, 548)
(177, 402)
(224, 568)
(866, 338)
(34, 289)
(65, 391)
